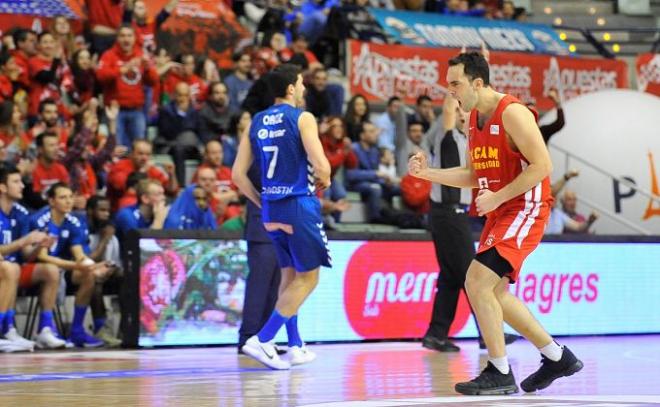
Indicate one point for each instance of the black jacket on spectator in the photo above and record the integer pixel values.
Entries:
(317, 102)
(212, 122)
(171, 122)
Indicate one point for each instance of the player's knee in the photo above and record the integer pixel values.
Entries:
(9, 271)
(473, 284)
(51, 273)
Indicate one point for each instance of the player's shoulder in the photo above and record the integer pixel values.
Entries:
(20, 210)
(41, 217)
(73, 220)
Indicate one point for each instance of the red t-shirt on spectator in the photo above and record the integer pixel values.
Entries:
(128, 199)
(337, 154)
(44, 176)
(39, 92)
(31, 135)
(107, 13)
(23, 62)
(6, 88)
(287, 53)
(127, 89)
(118, 174)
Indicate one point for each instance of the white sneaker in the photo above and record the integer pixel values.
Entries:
(300, 354)
(7, 346)
(47, 340)
(13, 336)
(264, 353)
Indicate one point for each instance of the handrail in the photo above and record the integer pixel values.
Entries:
(615, 217)
(623, 181)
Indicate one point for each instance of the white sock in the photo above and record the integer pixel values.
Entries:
(552, 351)
(502, 364)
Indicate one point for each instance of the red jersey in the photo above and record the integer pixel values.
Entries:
(516, 227)
(44, 176)
(6, 89)
(495, 164)
(23, 62)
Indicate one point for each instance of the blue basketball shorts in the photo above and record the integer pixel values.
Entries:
(307, 248)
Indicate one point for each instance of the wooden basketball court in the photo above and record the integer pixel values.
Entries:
(619, 371)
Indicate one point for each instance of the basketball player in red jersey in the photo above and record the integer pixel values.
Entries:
(510, 165)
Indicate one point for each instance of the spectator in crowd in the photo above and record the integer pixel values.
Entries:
(462, 8)
(267, 57)
(84, 87)
(12, 131)
(130, 194)
(191, 211)
(411, 5)
(387, 165)
(423, 114)
(357, 113)
(178, 129)
(215, 115)
(185, 72)
(103, 247)
(339, 151)
(372, 184)
(549, 130)
(82, 162)
(149, 213)
(385, 123)
(104, 19)
(123, 72)
(70, 237)
(48, 72)
(300, 45)
(26, 48)
(560, 221)
(49, 170)
(48, 121)
(135, 13)
(409, 136)
(239, 123)
(225, 196)
(13, 219)
(64, 37)
(9, 74)
(569, 207)
(239, 82)
(272, 18)
(318, 100)
(508, 10)
(139, 161)
(312, 16)
(207, 70)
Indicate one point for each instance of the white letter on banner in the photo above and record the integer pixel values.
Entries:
(506, 39)
(455, 36)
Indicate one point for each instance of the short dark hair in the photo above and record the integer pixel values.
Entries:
(43, 34)
(393, 99)
(21, 34)
(474, 65)
(52, 190)
(415, 123)
(40, 138)
(5, 56)
(423, 98)
(93, 202)
(45, 103)
(7, 169)
(281, 77)
(126, 25)
(134, 178)
(6, 112)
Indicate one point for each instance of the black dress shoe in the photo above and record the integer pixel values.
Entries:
(441, 345)
(508, 340)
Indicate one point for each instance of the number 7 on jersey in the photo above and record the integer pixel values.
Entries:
(273, 162)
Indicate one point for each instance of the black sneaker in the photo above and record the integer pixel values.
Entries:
(491, 382)
(441, 345)
(551, 371)
(508, 340)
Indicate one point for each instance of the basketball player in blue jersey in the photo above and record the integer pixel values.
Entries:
(70, 236)
(285, 141)
(15, 248)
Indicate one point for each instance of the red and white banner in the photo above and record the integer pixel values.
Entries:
(381, 71)
(648, 73)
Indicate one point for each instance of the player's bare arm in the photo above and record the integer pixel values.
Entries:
(239, 171)
(520, 125)
(459, 177)
(309, 134)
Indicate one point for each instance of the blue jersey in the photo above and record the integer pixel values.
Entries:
(276, 143)
(130, 218)
(12, 227)
(68, 234)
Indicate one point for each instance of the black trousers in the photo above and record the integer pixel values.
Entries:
(261, 289)
(454, 249)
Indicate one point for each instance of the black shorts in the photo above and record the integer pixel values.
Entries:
(492, 259)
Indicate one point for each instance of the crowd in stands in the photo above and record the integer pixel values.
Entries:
(81, 118)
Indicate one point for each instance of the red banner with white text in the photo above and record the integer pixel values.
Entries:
(648, 73)
(381, 71)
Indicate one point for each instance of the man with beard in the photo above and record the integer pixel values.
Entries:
(215, 113)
